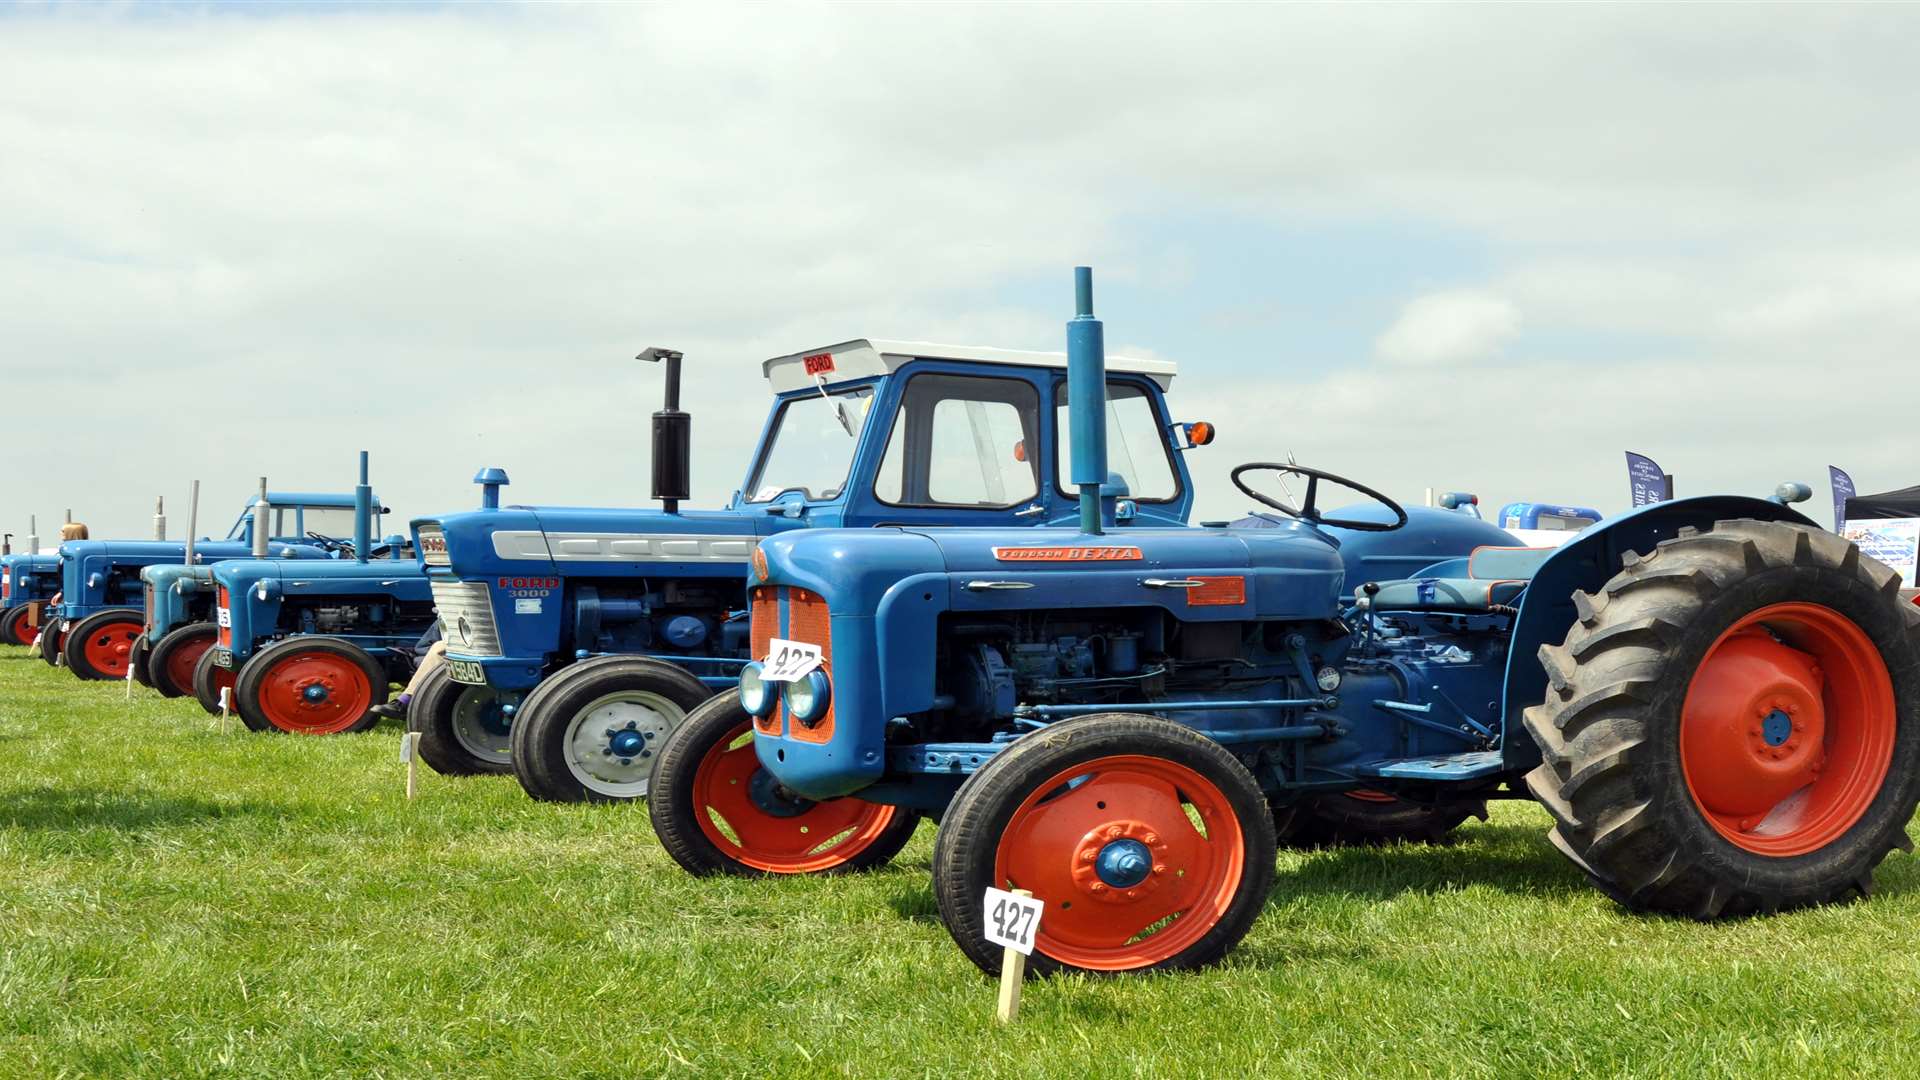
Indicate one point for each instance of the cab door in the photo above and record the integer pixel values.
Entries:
(962, 449)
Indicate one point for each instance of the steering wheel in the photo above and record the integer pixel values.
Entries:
(1310, 513)
(329, 543)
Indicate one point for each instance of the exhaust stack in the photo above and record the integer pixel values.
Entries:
(672, 437)
(159, 517)
(33, 535)
(1087, 402)
(193, 519)
(362, 514)
(261, 512)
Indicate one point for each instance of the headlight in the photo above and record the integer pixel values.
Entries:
(756, 695)
(807, 697)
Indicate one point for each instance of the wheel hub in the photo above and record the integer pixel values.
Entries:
(1119, 861)
(1755, 725)
(773, 798)
(613, 741)
(315, 693)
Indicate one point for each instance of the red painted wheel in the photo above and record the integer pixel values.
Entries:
(1788, 729)
(209, 679)
(100, 646)
(310, 686)
(716, 810)
(1150, 844)
(171, 663)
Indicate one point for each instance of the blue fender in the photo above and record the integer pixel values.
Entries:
(1585, 564)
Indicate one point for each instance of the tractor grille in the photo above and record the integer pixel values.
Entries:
(433, 546)
(146, 592)
(6, 585)
(806, 620)
(466, 617)
(223, 614)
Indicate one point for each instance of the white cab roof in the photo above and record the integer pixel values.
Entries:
(866, 357)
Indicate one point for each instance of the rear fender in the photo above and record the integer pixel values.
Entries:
(1585, 564)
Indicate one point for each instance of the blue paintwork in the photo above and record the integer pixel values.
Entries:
(1123, 863)
(394, 601)
(592, 608)
(29, 578)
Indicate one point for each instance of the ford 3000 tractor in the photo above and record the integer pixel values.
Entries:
(621, 621)
(1717, 703)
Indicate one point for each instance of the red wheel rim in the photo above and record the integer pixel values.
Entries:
(314, 693)
(184, 658)
(109, 645)
(1787, 732)
(819, 837)
(29, 635)
(1055, 842)
(223, 679)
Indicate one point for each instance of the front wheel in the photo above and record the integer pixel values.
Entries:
(14, 629)
(310, 686)
(210, 680)
(590, 732)
(100, 646)
(1149, 843)
(171, 664)
(463, 729)
(52, 640)
(1730, 727)
(717, 811)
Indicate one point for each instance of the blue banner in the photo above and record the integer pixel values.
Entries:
(1842, 491)
(1650, 483)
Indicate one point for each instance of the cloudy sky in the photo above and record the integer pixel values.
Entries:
(1485, 248)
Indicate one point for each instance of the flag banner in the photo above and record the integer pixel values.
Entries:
(1842, 491)
(1648, 480)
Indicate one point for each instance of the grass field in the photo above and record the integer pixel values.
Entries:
(178, 902)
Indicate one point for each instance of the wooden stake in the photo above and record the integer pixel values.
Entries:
(130, 677)
(1013, 975)
(226, 703)
(410, 753)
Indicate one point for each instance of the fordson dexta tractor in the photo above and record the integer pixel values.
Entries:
(101, 613)
(311, 646)
(1717, 702)
(27, 582)
(625, 620)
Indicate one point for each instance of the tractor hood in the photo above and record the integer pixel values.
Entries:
(587, 540)
(1430, 536)
(318, 574)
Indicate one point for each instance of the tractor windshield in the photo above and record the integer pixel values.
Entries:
(811, 446)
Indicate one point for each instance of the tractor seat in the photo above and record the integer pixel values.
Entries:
(1496, 576)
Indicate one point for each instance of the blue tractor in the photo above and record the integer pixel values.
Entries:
(578, 637)
(311, 646)
(96, 627)
(27, 582)
(1717, 702)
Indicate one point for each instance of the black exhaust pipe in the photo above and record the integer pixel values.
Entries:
(672, 438)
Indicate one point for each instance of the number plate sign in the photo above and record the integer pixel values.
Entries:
(223, 658)
(1012, 920)
(789, 660)
(223, 616)
(466, 671)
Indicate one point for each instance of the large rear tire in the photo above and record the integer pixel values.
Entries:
(591, 732)
(1150, 843)
(209, 679)
(1733, 724)
(461, 727)
(716, 811)
(175, 657)
(310, 686)
(100, 646)
(1370, 818)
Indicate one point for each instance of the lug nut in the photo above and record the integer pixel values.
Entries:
(631, 725)
(626, 761)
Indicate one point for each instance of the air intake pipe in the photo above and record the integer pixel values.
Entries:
(262, 516)
(1087, 401)
(193, 519)
(362, 514)
(672, 437)
(159, 517)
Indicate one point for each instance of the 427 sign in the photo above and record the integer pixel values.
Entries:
(1012, 919)
(790, 660)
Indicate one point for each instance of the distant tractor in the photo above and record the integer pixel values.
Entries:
(1717, 702)
(310, 646)
(579, 637)
(102, 605)
(27, 582)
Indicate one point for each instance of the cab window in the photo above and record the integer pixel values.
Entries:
(1136, 443)
(962, 440)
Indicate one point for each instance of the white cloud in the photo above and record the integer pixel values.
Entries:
(1449, 327)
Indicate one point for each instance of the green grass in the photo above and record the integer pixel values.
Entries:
(178, 902)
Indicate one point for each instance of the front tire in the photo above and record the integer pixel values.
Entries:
(209, 679)
(461, 727)
(1096, 816)
(176, 656)
(1733, 724)
(100, 646)
(14, 629)
(590, 732)
(716, 811)
(310, 686)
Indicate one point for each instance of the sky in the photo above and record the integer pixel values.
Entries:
(1480, 248)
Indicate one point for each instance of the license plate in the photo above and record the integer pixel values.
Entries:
(223, 617)
(466, 671)
(223, 658)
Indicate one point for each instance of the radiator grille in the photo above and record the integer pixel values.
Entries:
(466, 617)
(433, 546)
(223, 611)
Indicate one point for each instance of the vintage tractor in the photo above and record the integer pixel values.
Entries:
(1717, 703)
(311, 646)
(576, 637)
(27, 582)
(102, 609)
